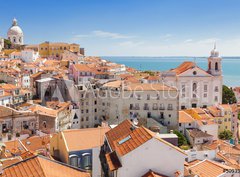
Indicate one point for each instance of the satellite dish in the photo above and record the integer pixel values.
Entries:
(135, 121)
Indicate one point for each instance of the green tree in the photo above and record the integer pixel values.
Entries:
(228, 96)
(7, 44)
(226, 135)
(181, 138)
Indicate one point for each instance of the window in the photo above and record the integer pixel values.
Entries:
(86, 110)
(169, 115)
(44, 124)
(180, 124)
(216, 66)
(205, 95)
(194, 87)
(139, 97)
(95, 102)
(216, 98)
(86, 161)
(205, 88)
(95, 110)
(148, 97)
(170, 107)
(194, 72)
(87, 119)
(161, 106)
(183, 88)
(216, 89)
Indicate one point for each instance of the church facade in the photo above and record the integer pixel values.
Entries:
(197, 87)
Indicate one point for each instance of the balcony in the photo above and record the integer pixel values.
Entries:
(154, 108)
(161, 108)
(170, 108)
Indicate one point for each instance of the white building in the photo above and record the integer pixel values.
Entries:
(132, 151)
(120, 101)
(15, 33)
(197, 87)
(1, 44)
(29, 55)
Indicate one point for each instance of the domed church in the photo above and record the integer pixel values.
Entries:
(15, 33)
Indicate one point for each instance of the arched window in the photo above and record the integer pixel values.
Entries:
(209, 65)
(74, 160)
(194, 87)
(20, 39)
(216, 66)
(86, 162)
(14, 39)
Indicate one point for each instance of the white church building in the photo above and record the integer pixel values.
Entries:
(15, 33)
(197, 87)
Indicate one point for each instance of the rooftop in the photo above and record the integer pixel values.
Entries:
(39, 166)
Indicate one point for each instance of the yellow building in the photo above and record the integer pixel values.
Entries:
(48, 49)
(223, 115)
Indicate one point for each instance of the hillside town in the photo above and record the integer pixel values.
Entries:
(63, 113)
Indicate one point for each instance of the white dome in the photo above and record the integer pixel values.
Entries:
(15, 30)
(214, 52)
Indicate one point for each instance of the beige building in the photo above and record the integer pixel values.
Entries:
(120, 101)
(48, 49)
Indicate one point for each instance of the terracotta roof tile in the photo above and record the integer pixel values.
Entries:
(113, 161)
(121, 130)
(87, 138)
(185, 117)
(184, 67)
(39, 166)
(208, 168)
(151, 173)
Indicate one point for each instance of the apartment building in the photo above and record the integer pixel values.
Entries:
(120, 101)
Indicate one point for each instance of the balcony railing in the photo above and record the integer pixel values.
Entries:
(146, 108)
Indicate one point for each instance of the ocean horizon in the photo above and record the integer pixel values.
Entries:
(230, 65)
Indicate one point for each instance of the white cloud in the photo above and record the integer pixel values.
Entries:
(208, 41)
(102, 34)
(166, 37)
(188, 41)
(130, 44)
(105, 34)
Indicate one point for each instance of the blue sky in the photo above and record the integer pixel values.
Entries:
(130, 27)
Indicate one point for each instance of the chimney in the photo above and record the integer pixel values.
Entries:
(171, 131)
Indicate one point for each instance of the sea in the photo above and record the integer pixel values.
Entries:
(230, 65)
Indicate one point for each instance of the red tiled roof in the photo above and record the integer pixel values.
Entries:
(122, 129)
(151, 173)
(184, 67)
(39, 166)
(113, 161)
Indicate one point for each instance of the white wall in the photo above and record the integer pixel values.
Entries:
(153, 155)
(96, 169)
(200, 155)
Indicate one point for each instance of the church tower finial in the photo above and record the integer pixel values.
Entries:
(14, 22)
(215, 45)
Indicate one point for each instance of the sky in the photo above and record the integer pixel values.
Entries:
(129, 27)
